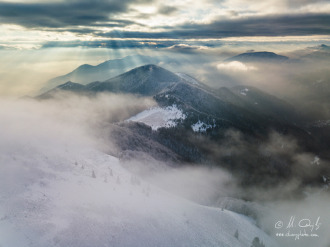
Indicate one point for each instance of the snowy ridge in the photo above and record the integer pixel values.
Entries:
(188, 78)
(158, 117)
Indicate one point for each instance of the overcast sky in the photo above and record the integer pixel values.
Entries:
(30, 22)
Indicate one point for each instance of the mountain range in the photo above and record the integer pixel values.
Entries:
(192, 122)
(238, 106)
(87, 73)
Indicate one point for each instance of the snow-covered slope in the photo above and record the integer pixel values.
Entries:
(88, 199)
(158, 117)
(56, 189)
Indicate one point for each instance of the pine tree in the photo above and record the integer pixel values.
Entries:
(236, 234)
(93, 174)
(256, 243)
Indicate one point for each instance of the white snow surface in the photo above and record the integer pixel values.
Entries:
(158, 117)
(57, 189)
(201, 126)
(316, 161)
(53, 200)
(49, 197)
(244, 91)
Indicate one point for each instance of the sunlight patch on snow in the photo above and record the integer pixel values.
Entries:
(158, 117)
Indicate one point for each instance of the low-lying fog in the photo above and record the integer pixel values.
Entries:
(69, 122)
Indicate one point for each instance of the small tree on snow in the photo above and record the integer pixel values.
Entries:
(93, 174)
(256, 243)
(236, 234)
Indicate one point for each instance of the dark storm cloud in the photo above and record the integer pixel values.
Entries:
(277, 25)
(304, 24)
(186, 48)
(113, 44)
(287, 3)
(167, 10)
(71, 15)
(63, 14)
(299, 3)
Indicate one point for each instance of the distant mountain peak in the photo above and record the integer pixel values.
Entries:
(188, 78)
(70, 84)
(149, 67)
(145, 68)
(84, 66)
(148, 79)
(323, 47)
(67, 83)
(87, 73)
(261, 56)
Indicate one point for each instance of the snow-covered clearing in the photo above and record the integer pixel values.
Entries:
(158, 117)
